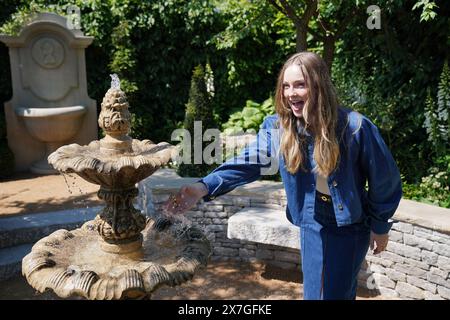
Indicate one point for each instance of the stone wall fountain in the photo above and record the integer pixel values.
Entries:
(50, 106)
(121, 253)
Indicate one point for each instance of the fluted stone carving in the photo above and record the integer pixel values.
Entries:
(86, 273)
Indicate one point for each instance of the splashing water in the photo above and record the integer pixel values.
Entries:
(179, 218)
(115, 81)
(67, 184)
(71, 186)
(183, 222)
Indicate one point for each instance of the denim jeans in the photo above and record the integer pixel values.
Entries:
(331, 255)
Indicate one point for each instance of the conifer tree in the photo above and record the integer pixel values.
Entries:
(198, 108)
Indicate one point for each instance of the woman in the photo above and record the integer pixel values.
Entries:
(341, 181)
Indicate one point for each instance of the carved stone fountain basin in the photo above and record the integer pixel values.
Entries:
(73, 262)
(110, 171)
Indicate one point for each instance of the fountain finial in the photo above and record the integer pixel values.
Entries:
(115, 81)
(115, 120)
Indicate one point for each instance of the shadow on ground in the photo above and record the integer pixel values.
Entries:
(26, 193)
(219, 281)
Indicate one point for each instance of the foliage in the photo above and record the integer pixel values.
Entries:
(198, 108)
(8, 7)
(434, 187)
(152, 46)
(428, 12)
(254, 41)
(23, 17)
(388, 75)
(437, 115)
(385, 74)
(443, 111)
(6, 156)
(250, 118)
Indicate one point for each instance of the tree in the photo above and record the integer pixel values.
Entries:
(325, 21)
(198, 108)
(300, 17)
(384, 74)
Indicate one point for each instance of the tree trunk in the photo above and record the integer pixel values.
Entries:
(302, 32)
(329, 46)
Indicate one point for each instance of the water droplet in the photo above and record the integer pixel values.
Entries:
(67, 184)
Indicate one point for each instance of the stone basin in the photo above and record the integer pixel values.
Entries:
(111, 171)
(52, 126)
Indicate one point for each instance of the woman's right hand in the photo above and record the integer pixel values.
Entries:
(185, 199)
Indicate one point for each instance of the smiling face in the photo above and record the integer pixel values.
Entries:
(294, 89)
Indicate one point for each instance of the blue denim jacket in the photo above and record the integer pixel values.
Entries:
(364, 157)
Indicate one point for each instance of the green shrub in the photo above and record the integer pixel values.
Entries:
(154, 45)
(198, 108)
(434, 188)
(248, 121)
(250, 118)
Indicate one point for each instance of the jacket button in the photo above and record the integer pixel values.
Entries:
(340, 207)
(335, 183)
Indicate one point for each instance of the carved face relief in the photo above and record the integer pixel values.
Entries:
(48, 53)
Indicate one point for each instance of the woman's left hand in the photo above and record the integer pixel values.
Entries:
(378, 241)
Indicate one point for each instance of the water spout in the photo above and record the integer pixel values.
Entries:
(115, 81)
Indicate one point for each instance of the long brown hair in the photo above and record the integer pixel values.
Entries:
(320, 116)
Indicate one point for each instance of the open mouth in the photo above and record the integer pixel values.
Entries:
(297, 105)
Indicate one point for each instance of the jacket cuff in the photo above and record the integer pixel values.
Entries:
(381, 227)
(212, 183)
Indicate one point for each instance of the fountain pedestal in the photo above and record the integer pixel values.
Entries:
(119, 223)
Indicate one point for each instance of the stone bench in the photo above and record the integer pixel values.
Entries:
(264, 225)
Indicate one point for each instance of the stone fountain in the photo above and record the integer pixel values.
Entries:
(50, 106)
(121, 254)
